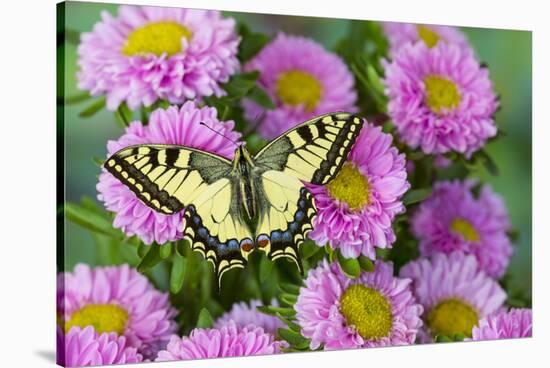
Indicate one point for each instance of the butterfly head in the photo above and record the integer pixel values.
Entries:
(242, 156)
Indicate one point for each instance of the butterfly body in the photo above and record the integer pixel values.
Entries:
(232, 208)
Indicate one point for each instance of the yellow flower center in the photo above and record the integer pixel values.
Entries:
(156, 38)
(441, 93)
(465, 229)
(104, 318)
(367, 310)
(351, 187)
(298, 88)
(427, 35)
(452, 316)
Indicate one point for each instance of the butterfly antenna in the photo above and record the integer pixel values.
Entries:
(220, 134)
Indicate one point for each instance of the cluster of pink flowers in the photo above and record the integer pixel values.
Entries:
(114, 315)
(149, 53)
(440, 97)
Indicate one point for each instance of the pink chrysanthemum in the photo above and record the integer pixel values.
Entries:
(375, 309)
(179, 126)
(355, 210)
(400, 34)
(244, 314)
(455, 293)
(114, 299)
(440, 98)
(303, 79)
(227, 341)
(85, 347)
(513, 324)
(452, 218)
(150, 53)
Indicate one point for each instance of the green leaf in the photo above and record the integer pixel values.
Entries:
(91, 220)
(142, 250)
(241, 84)
(259, 96)
(350, 266)
(274, 311)
(165, 250)
(366, 263)
(374, 79)
(293, 338)
(177, 274)
(89, 204)
(331, 253)
(288, 299)
(442, 338)
(151, 258)
(98, 161)
(459, 336)
(266, 267)
(308, 249)
(79, 97)
(251, 43)
(289, 288)
(125, 112)
(254, 142)
(291, 325)
(416, 195)
(93, 108)
(488, 162)
(181, 247)
(205, 319)
(124, 115)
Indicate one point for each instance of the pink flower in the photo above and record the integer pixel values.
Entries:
(513, 324)
(303, 79)
(84, 347)
(375, 309)
(227, 341)
(244, 314)
(355, 211)
(452, 218)
(174, 125)
(440, 98)
(400, 34)
(454, 292)
(149, 53)
(114, 299)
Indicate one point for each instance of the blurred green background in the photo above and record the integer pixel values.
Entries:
(507, 53)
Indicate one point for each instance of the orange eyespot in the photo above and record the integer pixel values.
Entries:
(263, 241)
(247, 245)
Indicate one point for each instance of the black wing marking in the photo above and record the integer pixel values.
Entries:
(165, 177)
(314, 151)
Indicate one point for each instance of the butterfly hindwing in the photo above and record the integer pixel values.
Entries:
(215, 228)
(286, 217)
(172, 178)
(313, 151)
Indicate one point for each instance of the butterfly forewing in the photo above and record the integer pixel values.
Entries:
(172, 178)
(313, 151)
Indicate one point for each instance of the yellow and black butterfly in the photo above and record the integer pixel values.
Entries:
(221, 198)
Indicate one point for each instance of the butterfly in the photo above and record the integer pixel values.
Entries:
(253, 202)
